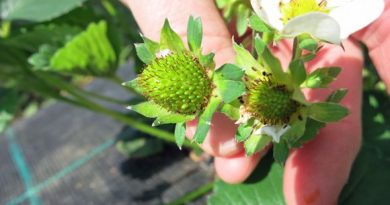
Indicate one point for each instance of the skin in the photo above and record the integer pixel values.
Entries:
(316, 173)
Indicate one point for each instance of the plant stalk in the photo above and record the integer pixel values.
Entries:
(80, 100)
(297, 52)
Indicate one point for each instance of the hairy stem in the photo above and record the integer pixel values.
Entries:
(81, 101)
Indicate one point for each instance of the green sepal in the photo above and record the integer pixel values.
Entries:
(222, 3)
(172, 118)
(308, 57)
(230, 72)
(260, 45)
(152, 46)
(229, 83)
(149, 109)
(133, 84)
(241, 21)
(312, 128)
(207, 60)
(256, 143)
(194, 34)
(321, 77)
(281, 152)
(228, 7)
(327, 112)
(298, 96)
(180, 134)
(273, 65)
(236, 11)
(146, 51)
(270, 37)
(245, 60)
(205, 119)
(143, 53)
(169, 39)
(229, 89)
(296, 131)
(231, 110)
(244, 131)
(257, 24)
(308, 44)
(337, 95)
(298, 71)
(152, 110)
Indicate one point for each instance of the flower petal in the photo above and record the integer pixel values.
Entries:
(274, 131)
(318, 24)
(269, 11)
(356, 14)
(336, 3)
(244, 116)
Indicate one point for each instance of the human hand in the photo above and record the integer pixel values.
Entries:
(316, 173)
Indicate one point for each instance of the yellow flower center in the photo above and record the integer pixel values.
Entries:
(296, 8)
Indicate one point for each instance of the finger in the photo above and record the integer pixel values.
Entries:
(220, 139)
(150, 16)
(236, 169)
(377, 40)
(316, 173)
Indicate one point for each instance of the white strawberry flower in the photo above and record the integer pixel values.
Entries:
(328, 20)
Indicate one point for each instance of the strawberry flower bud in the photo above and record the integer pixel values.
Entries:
(176, 82)
(273, 108)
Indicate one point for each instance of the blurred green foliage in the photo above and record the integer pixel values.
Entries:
(46, 45)
(236, 11)
(48, 48)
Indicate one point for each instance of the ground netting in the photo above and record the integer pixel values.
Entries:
(65, 155)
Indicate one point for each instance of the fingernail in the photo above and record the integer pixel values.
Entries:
(229, 148)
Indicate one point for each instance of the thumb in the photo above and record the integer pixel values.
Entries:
(150, 16)
(377, 40)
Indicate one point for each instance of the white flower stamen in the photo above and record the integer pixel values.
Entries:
(244, 116)
(163, 53)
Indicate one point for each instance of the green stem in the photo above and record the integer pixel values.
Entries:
(199, 192)
(102, 97)
(161, 134)
(268, 37)
(76, 91)
(253, 47)
(81, 92)
(86, 103)
(297, 52)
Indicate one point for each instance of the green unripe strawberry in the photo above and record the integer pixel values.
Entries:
(176, 82)
(270, 103)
